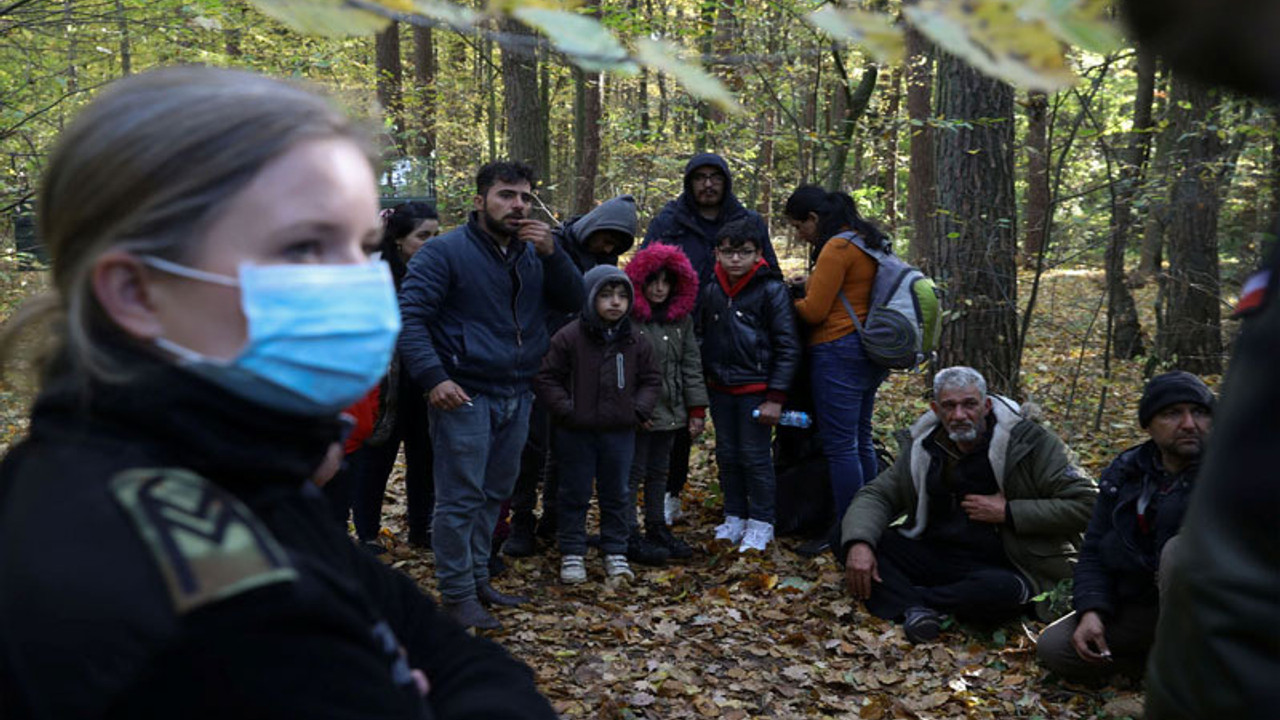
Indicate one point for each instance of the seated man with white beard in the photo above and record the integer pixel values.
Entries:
(994, 510)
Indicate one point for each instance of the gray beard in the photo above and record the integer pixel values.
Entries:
(966, 435)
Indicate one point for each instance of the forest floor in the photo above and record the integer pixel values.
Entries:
(775, 635)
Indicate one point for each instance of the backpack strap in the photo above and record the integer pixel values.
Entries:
(856, 240)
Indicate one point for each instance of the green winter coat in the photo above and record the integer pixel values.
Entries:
(1050, 499)
(683, 388)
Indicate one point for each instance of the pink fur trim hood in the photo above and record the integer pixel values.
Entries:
(652, 259)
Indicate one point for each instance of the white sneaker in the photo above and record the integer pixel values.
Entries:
(615, 566)
(731, 530)
(671, 511)
(573, 570)
(758, 536)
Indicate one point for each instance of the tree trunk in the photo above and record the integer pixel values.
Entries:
(387, 56)
(921, 180)
(73, 72)
(765, 206)
(424, 75)
(1126, 332)
(126, 49)
(889, 153)
(645, 122)
(491, 96)
(977, 225)
(587, 134)
(587, 107)
(855, 104)
(526, 125)
(1036, 213)
(1191, 336)
(1151, 260)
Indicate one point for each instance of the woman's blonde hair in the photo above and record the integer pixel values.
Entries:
(146, 167)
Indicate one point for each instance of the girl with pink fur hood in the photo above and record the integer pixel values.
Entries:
(666, 291)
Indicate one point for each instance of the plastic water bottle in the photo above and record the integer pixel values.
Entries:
(790, 418)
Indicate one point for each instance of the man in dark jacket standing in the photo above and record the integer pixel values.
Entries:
(474, 306)
(692, 222)
(1132, 538)
(994, 510)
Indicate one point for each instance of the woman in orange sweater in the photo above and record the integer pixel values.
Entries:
(844, 379)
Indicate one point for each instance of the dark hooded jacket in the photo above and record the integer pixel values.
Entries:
(477, 316)
(617, 213)
(201, 577)
(679, 224)
(599, 377)
(751, 337)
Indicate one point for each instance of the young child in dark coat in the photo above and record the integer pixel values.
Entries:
(600, 382)
(750, 353)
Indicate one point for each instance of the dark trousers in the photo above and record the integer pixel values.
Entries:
(341, 488)
(537, 466)
(649, 470)
(605, 456)
(1130, 632)
(411, 429)
(744, 455)
(678, 466)
(919, 573)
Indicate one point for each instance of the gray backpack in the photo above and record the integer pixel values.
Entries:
(905, 316)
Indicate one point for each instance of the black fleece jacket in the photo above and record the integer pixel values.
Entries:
(162, 554)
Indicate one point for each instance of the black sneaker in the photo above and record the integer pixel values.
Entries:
(645, 552)
(547, 526)
(921, 624)
(470, 613)
(814, 547)
(489, 595)
(420, 539)
(661, 535)
(522, 542)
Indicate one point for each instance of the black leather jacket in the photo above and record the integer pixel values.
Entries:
(752, 337)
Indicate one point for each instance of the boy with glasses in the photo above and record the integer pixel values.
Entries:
(750, 352)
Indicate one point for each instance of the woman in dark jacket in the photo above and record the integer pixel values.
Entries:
(402, 416)
(215, 311)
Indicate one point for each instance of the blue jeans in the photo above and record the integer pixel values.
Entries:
(605, 456)
(477, 455)
(745, 456)
(844, 393)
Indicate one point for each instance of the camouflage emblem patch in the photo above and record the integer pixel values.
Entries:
(206, 542)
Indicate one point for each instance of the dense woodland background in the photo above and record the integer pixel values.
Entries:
(1131, 171)
(1083, 238)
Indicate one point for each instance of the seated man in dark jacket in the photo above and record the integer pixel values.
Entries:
(994, 509)
(1132, 536)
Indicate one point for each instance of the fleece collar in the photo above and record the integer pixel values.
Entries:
(1005, 413)
(733, 289)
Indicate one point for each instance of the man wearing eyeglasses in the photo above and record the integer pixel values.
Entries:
(694, 219)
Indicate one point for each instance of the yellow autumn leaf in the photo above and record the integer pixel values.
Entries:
(330, 18)
(997, 39)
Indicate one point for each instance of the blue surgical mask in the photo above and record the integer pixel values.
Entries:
(320, 336)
